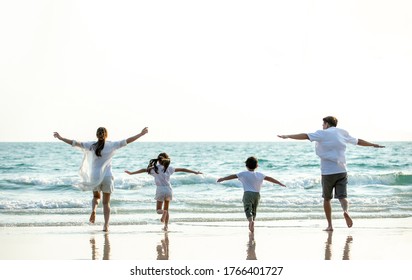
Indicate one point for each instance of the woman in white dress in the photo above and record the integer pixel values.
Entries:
(96, 168)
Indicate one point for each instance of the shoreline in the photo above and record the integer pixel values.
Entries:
(368, 239)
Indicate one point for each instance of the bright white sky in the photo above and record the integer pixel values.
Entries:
(204, 70)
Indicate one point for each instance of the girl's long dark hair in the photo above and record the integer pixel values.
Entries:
(163, 159)
(101, 135)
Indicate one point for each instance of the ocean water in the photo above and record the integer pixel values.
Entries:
(37, 183)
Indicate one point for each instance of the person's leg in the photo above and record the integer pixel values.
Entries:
(107, 187)
(341, 194)
(159, 205)
(164, 212)
(344, 204)
(248, 208)
(345, 207)
(165, 216)
(327, 207)
(247, 205)
(255, 205)
(106, 210)
(95, 203)
(328, 183)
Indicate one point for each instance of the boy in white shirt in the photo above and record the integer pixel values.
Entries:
(252, 182)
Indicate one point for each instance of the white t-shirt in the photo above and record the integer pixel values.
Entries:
(251, 180)
(162, 179)
(94, 168)
(331, 147)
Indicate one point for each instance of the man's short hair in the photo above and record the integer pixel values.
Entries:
(332, 121)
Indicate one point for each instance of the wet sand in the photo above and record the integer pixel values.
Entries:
(387, 241)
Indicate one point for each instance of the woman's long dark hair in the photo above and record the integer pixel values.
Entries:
(163, 159)
(101, 135)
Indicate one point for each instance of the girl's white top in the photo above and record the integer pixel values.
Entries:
(162, 179)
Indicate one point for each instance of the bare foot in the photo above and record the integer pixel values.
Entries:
(106, 228)
(165, 228)
(348, 220)
(252, 226)
(92, 218)
(330, 228)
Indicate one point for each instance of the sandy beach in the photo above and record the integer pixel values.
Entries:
(370, 244)
(371, 239)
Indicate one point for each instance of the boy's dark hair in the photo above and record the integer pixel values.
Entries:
(251, 163)
(332, 121)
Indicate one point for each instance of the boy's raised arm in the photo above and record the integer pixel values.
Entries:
(273, 180)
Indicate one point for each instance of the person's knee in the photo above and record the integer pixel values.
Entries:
(343, 198)
(248, 211)
(249, 216)
(96, 200)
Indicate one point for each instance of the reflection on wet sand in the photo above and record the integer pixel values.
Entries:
(346, 249)
(162, 249)
(251, 247)
(95, 249)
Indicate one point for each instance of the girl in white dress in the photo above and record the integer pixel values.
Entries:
(161, 170)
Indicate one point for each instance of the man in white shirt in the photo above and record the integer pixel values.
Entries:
(330, 147)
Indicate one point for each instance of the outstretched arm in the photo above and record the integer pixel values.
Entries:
(230, 177)
(137, 136)
(65, 140)
(136, 172)
(362, 142)
(300, 136)
(273, 180)
(187, 170)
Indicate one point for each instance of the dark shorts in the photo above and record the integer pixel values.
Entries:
(337, 182)
(250, 203)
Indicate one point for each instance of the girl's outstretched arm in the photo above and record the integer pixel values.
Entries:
(143, 170)
(230, 177)
(187, 170)
(273, 180)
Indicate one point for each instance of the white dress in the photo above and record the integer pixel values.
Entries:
(162, 181)
(93, 168)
